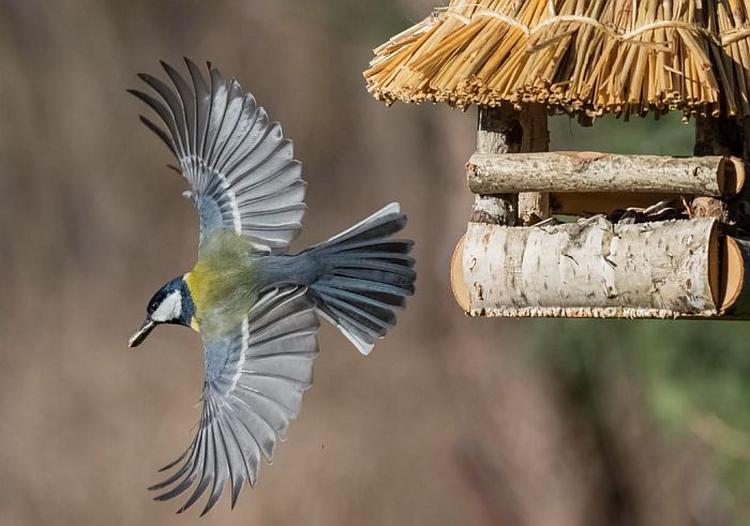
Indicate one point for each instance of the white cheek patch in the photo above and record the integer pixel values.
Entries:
(170, 308)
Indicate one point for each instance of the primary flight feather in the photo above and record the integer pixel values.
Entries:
(255, 306)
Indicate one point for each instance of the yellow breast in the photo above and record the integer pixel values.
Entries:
(220, 282)
(196, 285)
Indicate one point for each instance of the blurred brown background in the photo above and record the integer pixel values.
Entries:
(449, 421)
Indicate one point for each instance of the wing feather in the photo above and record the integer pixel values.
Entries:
(187, 98)
(254, 135)
(203, 105)
(254, 381)
(236, 462)
(223, 468)
(232, 117)
(246, 121)
(232, 155)
(164, 114)
(219, 103)
(175, 108)
(159, 132)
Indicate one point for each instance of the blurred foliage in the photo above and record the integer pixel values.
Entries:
(695, 374)
(668, 135)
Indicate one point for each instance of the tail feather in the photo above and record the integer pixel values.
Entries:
(384, 247)
(367, 276)
(378, 225)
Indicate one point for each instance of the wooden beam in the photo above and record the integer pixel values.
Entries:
(592, 269)
(601, 172)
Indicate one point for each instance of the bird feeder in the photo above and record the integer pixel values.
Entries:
(588, 234)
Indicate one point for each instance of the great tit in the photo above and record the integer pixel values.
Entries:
(255, 305)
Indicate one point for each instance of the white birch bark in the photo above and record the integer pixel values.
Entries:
(599, 172)
(597, 269)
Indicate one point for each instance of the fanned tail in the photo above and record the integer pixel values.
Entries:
(367, 276)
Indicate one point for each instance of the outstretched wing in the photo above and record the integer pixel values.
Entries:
(240, 167)
(253, 387)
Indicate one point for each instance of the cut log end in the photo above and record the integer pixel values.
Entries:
(458, 284)
(732, 274)
(731, 176)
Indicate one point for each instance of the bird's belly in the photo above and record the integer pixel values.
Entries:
(225, 300)
(216, 325)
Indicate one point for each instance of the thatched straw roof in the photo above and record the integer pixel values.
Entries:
(597, 56)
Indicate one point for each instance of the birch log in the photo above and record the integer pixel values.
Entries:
(600, 172)
(594, 269)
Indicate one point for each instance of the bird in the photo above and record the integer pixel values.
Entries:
(255, 304)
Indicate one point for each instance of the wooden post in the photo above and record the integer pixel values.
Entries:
(534, 206)
(716, 137)
(739, 206)
(499, 131)
(503, 130)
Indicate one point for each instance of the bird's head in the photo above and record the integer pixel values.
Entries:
(171, 304)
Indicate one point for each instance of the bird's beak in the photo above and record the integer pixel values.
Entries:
(139, 336)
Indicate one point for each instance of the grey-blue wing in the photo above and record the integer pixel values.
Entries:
(254, 381)
(239, 165)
